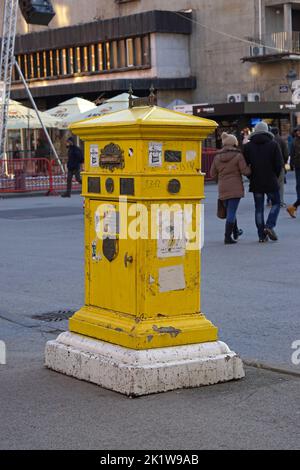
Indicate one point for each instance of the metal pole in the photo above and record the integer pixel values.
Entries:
(39, 117)
(6, 65)
(260, 19)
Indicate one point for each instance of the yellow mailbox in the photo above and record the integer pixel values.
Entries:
(141, 329)
(143, 180)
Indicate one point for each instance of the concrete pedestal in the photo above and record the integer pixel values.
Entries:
(136, 373)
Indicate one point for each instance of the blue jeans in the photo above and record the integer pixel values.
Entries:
(259, 199)
(232, 207)
(297, 172)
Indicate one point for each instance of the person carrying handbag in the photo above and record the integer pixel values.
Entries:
(227, 169)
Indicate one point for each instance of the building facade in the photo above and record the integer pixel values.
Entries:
(198, 51)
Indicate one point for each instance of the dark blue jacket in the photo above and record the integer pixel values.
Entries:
(75, 158)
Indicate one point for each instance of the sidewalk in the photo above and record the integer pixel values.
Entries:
(251, 292)
(45, 410)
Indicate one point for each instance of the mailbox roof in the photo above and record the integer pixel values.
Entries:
(143, 117)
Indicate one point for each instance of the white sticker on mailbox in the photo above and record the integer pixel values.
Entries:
(94, 156)
(191, 155)
(111, 223)
(155, 154)
(171, 241)
(171, 278)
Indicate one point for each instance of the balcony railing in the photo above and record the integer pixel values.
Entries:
(277, 43)
(281, 42)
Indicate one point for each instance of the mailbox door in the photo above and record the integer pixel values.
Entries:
(112, 280)
(171, 267)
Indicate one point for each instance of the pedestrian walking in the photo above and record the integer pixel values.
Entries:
(264, 157)
(295, 165)
(17, 151)
(42, 153)
(285, 155)
(245, 134)
(228, 167)
(75, 159)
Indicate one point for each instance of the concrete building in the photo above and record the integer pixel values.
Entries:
(198, 51)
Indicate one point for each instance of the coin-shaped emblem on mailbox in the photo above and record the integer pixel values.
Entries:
(109, 185)
(174, 186)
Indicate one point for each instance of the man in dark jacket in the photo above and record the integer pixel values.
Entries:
(295, 164)
(264, 157)
(285, 154)
(75, 159)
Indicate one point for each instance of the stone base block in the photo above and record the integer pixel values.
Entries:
(136, 373)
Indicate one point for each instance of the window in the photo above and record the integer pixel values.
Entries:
(38, 61)
(114, 55)
(129, 53)
(145, 50)
(70, 61)
(63, 58)
(92, 58)
(99, 57)
(86, 59)
(48, 64)
(26, 74)
(138, 51)
(57, 62)
(45, 64)
(30, 66)
(51, 64)
(78, 60)
(107, 56)
(122, 54)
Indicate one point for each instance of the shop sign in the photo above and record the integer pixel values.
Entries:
(206, 110)
(284, 89)
(288, 106)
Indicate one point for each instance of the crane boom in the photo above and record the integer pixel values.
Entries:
(6, 65)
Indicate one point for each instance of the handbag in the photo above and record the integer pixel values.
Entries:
(222, 211)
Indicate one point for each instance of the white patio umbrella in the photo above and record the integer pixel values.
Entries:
(118, 103)
(66, 109)
(21, 117)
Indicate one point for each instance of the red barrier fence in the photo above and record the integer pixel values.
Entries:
(40, 174)
(32, 174)
(208, 155)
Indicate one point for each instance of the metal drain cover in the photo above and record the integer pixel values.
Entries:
(60, 315)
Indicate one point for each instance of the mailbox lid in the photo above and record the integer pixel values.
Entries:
(144, 122)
